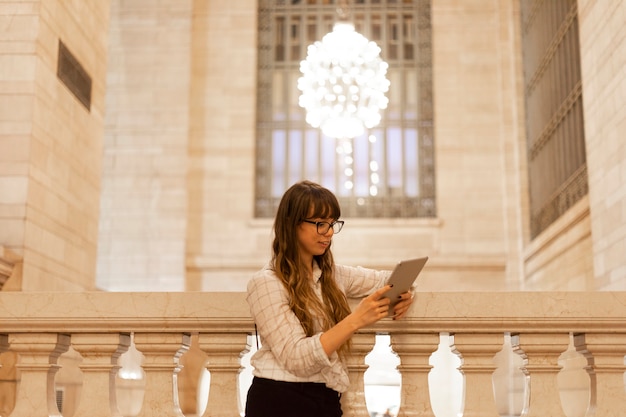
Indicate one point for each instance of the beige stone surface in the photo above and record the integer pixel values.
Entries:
(153, 189)
(603, 47)
(175, 209)
(143, 206)
(51, 145)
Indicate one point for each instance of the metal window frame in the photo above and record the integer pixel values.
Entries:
(390, 203)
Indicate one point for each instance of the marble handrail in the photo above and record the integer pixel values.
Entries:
(39, 327)
(199, 311)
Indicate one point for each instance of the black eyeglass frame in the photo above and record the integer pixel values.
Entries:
(337, 225)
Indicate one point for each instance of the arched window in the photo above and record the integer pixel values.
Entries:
(392, 172)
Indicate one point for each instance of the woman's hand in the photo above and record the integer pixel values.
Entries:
(370, 310)
(373, 307)
(400, 309)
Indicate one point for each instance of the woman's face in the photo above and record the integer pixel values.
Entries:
(312, 243)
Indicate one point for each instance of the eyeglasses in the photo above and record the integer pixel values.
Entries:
(324, 227)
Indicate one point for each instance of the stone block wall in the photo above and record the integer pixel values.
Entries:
(50, 143)
(465, 242)
(176, 208)
(144, 196)
(162, 230)
(603, 48)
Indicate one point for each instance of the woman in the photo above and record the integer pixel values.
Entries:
(299, 305)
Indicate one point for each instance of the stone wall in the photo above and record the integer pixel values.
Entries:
(144, 196)
(178, 192)
(603, 48)
(50, 142)
(176, 208)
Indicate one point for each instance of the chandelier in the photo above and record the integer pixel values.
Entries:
(343, 83)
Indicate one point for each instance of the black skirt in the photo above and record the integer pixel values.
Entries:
(269, 398)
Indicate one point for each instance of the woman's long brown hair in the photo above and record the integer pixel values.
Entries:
(305, 200)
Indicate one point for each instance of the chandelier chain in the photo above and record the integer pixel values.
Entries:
(343, 10)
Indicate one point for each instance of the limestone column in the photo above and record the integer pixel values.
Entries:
(100, 354)
(37, 362)
(415, 351)
(477, 353)
(605, 353)
(161, 354)
(353, 401)
(53, 57)
(225, 351)
(8, 377)
(541, 355)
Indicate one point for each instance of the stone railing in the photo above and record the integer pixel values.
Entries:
(40, 327)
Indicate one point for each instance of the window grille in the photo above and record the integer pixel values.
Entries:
(74, 76)
(59, 398)
(557, 166)
(393, 167)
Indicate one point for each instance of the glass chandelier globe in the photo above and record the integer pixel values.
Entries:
(343, 83)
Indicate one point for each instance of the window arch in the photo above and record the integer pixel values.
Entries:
(393, 165)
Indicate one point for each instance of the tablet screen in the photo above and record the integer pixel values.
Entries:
(403, 277)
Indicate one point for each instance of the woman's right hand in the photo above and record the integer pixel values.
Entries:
(373, 307)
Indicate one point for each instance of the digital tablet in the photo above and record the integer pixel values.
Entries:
(402, 278)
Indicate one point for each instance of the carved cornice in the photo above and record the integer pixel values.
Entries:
(8, 259)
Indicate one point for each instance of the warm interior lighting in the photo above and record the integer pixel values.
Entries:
(343, 83)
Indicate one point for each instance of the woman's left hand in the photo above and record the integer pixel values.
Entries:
(400, 309)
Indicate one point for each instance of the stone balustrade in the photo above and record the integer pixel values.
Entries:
(39, 327)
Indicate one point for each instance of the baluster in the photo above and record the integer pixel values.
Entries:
(605, 354)
(5, 402)
(415, 351)
(353, 401)
(225, 351)
(162, 352)
(100, 354)
(37, 363)
(477, 353)
(541, 355)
